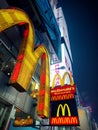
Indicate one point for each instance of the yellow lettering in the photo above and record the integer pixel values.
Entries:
(62, 97)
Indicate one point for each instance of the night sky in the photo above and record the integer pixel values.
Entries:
(81, 19)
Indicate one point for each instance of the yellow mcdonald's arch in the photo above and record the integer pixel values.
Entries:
(63, 110)
(28, 58)
(62, 79)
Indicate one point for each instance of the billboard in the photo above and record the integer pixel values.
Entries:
(63, 104)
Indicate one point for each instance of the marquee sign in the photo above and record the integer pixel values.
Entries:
(28, 58)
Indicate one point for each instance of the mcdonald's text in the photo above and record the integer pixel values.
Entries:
(64, 89)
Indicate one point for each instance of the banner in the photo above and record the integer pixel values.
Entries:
(28, 58)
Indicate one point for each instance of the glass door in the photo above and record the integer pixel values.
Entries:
(5, 109)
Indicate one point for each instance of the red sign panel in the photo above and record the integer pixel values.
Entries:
(63, 90)
(63, 106)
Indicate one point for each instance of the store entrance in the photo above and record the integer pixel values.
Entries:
(5, 109)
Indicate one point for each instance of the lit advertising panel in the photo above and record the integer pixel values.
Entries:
(64, 112)
(63, 92)
(63, 104)
(62, 79)
(59, 72)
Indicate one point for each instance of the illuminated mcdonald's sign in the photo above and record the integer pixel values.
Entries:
(63, 89)
(63, 109)
(24, 122)
(63, 92)
(64, 112)
(62, 79)
(63, 102)
(62, 119)
(28, 58)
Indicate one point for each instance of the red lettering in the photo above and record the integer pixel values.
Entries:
(71, 120)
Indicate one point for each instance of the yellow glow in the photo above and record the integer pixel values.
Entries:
(9, 18)
(62, 79)
(63, 110)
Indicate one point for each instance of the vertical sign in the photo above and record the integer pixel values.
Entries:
(64, 112)
(63, 105)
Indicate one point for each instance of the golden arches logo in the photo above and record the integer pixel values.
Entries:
(63, 109)
(62, 79)
(28, 58)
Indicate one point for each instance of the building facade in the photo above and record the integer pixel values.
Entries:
(50, 29)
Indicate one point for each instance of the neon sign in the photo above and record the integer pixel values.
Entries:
(62, 92)
(62, 79)
(24, 122)
(28, 58)
(64, 112)
(63, 89)
(63, 109)
(63, 102)
(62, 97)
(64, 120)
